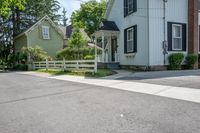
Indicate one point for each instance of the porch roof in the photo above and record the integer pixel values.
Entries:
(109, 26)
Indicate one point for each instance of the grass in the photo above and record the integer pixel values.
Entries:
(100, 72)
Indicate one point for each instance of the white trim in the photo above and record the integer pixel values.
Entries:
(129, 40)
(45, 36)
(173, 37)
(131, 11)
(38, 23)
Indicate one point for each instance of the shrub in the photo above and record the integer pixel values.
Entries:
(22, 67)
(23, 57)
(76, 54)
(191, 60)
(89, 57)
(175, 61)
(36, 53)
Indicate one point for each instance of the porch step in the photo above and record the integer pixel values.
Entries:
(110, 65)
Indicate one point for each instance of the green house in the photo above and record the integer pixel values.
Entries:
(45, 34)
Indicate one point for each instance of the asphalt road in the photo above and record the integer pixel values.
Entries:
(30, 104)
(188, 79)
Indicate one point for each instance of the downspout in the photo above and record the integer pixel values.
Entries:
(165, 43)
(148, 34)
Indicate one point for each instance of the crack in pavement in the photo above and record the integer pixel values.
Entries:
(42, 96)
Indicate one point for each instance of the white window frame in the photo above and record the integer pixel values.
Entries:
(45, 35)
(129, 40)
(129, 11)
(174, 37)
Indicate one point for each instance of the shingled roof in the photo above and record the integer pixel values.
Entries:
(109, 25)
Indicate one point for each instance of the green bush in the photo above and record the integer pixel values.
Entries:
(89, 57)
(191, 60)
(76, 54)
(22, 67)
(175, 61)
(36, 53)
(23, 57)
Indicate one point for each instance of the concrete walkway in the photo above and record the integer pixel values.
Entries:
(181, 93)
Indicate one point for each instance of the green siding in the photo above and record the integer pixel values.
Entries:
(51, 46)
(19, 43)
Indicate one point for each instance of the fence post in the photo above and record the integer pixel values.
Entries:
(77, 65)
(33, 66)
(64, 65)
(95, 64)
(47, 65)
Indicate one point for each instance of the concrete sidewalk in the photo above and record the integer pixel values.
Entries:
(180, 93)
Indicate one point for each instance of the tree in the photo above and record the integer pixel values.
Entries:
(7, 5)
(77, 40)
(34, 10)
(64, 17)
(18, 15)
(89, 16)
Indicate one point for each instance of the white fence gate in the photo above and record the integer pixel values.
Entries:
(76, 65)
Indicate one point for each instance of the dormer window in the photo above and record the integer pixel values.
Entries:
(45, 32)
(130, 6)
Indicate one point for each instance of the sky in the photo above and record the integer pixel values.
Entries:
(71, 5)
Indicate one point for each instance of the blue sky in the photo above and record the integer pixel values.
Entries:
(71, 5)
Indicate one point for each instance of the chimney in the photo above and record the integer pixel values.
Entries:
(193, 28)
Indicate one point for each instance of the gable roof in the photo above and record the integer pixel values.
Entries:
(109, 25)
(109, 6)
(63, 29)
(38, 23)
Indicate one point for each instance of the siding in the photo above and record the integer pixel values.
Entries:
(19, 43)
(51, 46)
(176, 11)
(140, 19)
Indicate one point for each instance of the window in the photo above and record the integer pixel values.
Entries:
(45, 32)
(130, 6)
(130, 40)
(176, 37)
(130, 43)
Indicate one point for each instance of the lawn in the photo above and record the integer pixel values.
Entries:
(100, 72)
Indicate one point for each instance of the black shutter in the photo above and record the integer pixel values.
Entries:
(169, 34)
(125, 8)
(134, 5)
(125, 41)
(135, 38)
(184, 37)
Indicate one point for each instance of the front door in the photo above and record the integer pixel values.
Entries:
(113, 48)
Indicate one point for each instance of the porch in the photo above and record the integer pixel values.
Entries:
(107, 40)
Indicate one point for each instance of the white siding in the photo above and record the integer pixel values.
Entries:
(149, 19)
(140, 19)
(176, 11)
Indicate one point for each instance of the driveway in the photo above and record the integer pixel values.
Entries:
(30, 104)
(188, 79)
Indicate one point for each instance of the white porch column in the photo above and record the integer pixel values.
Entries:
(117, 51)
(103, 46)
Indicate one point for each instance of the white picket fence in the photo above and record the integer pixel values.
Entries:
(75, 65)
